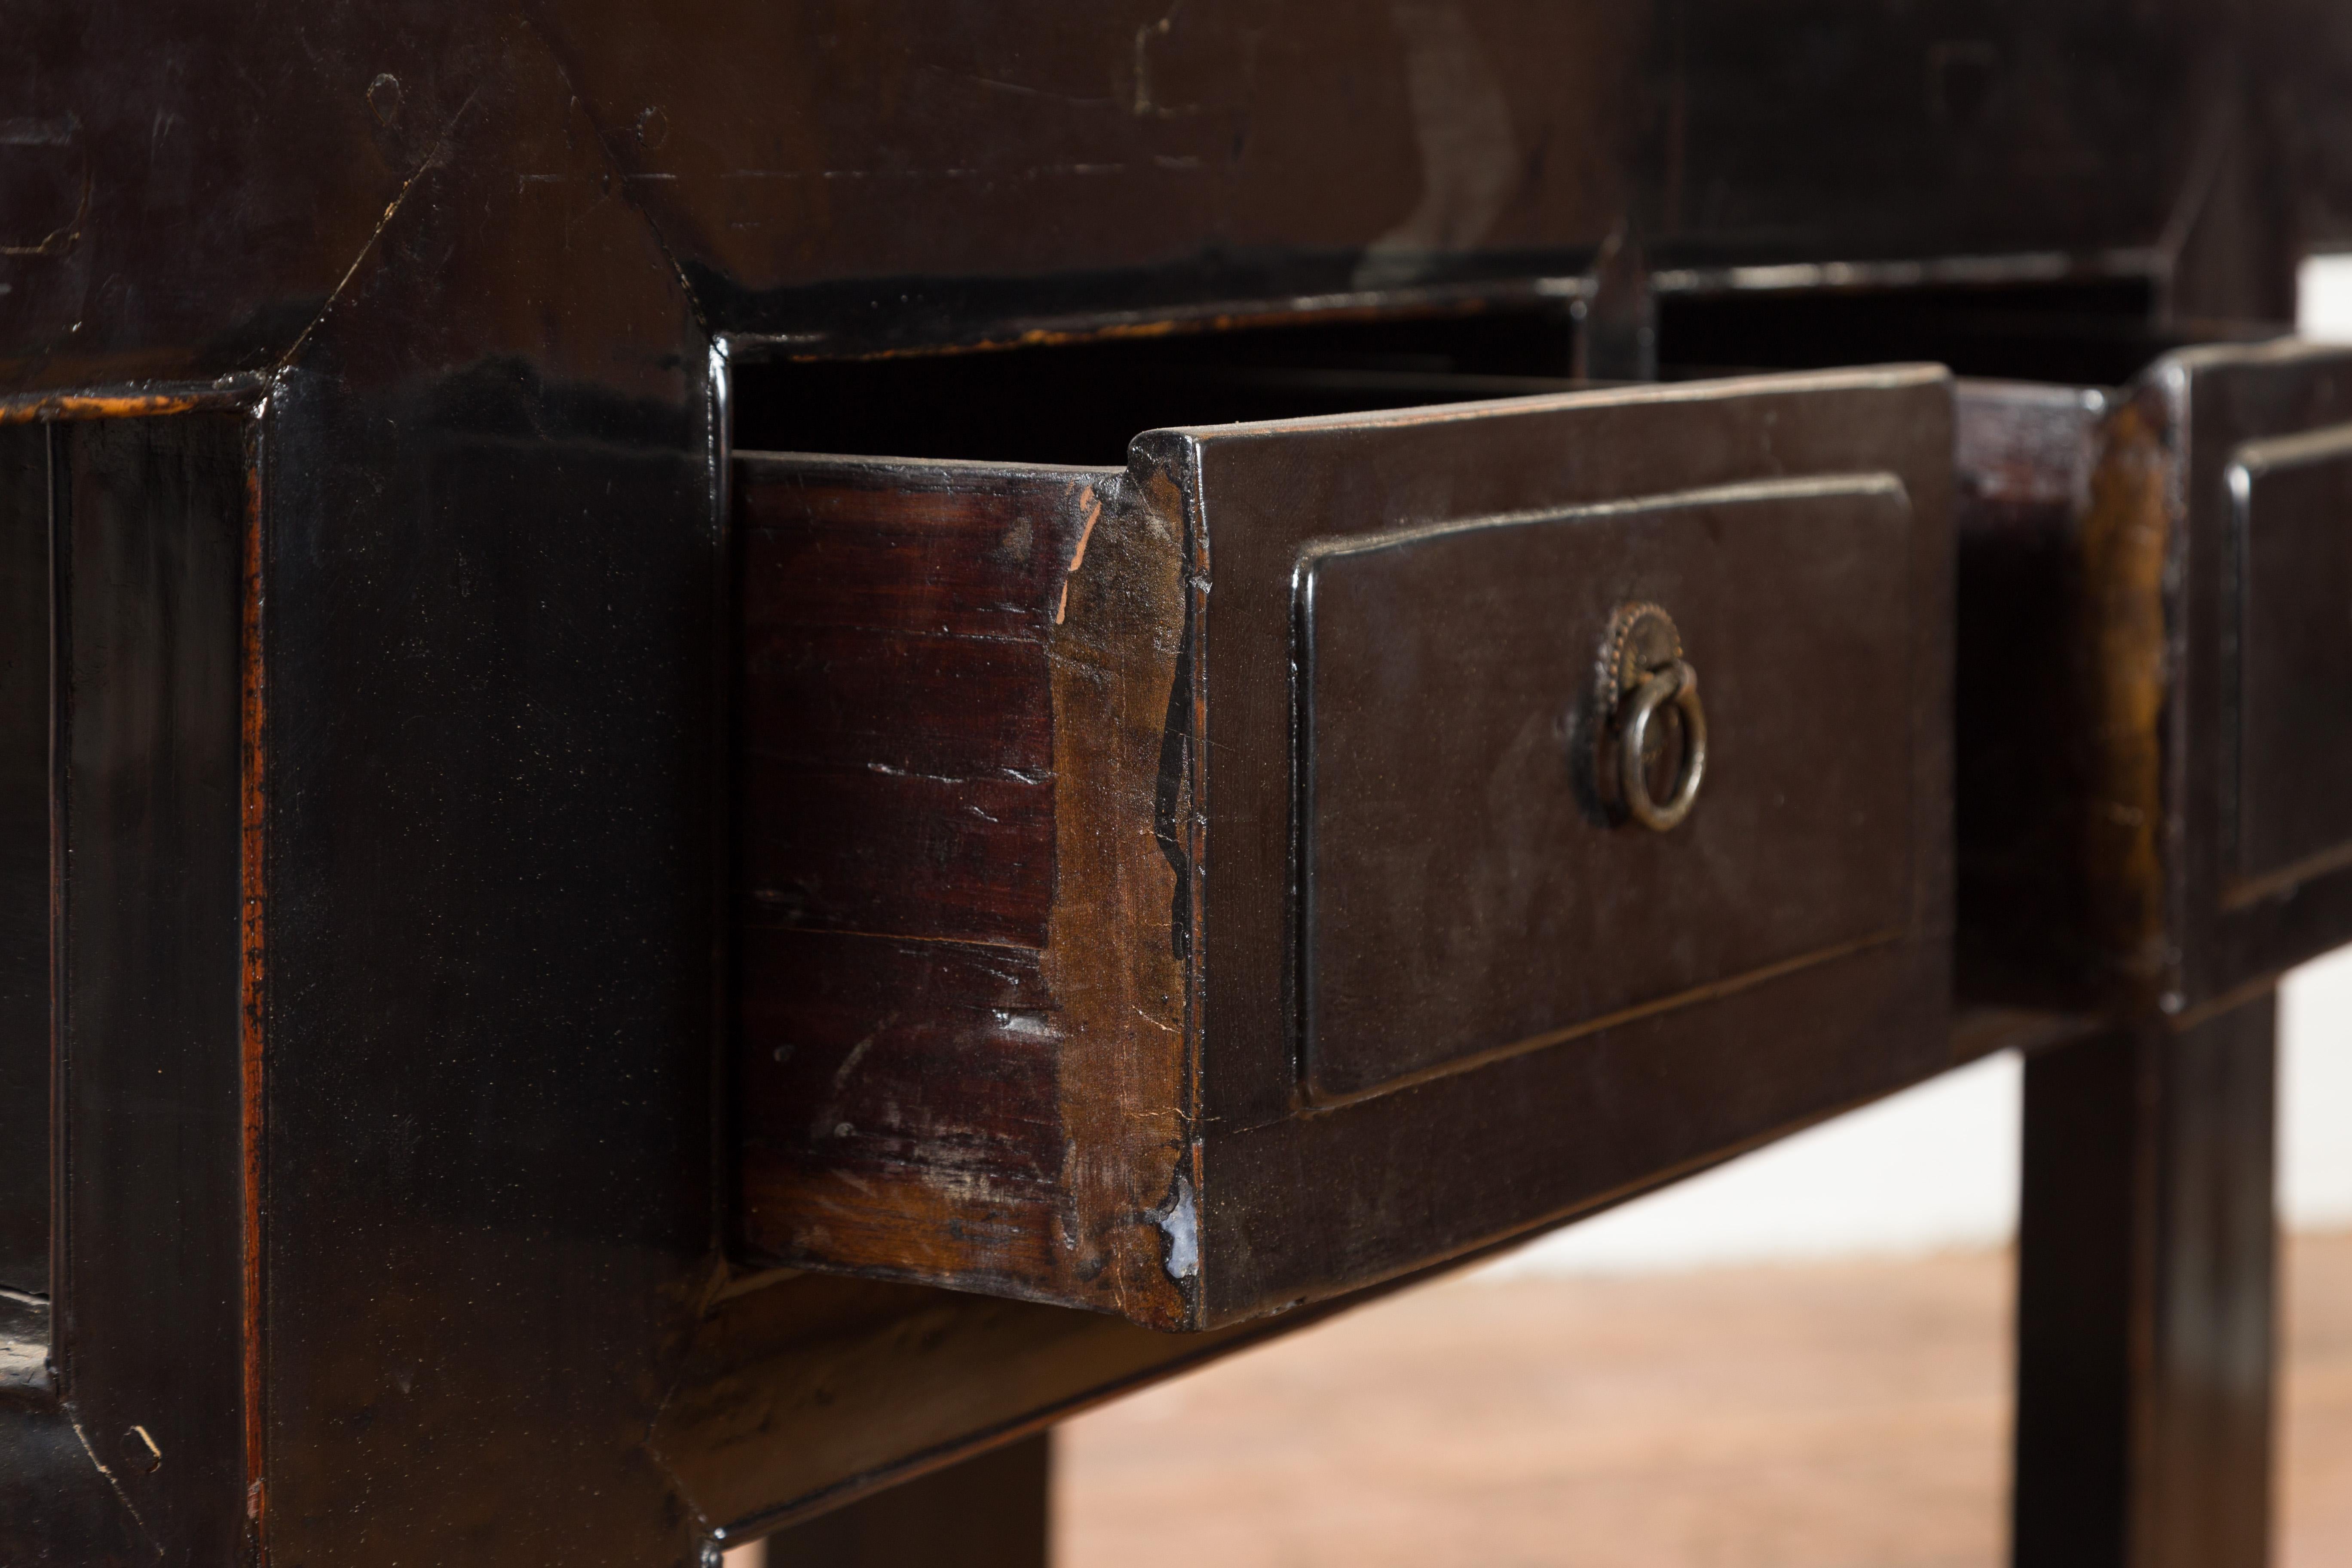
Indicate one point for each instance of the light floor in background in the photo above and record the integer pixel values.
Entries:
(1931, 1169)
(1823, 1415)
(1936, 1166)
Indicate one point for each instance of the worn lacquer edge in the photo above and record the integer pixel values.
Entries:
(253, 894)
(129, 402)
(1126, 1071)
(2127, 544)
(1558, 290)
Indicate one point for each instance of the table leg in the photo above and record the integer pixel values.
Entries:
(2146, 1269)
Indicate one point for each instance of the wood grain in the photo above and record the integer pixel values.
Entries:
(954, 684)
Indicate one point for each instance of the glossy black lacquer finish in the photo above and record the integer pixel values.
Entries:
(489, 568)
(150, 547)
(24, 858)
(1007, 167)
(2146, 1298)
(149, 1302)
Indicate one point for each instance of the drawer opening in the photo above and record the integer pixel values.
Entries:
(2088, 332)
(1081, 403)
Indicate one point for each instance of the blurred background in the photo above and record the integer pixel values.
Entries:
(1797, 1360)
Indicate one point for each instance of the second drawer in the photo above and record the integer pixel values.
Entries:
(2156, 770)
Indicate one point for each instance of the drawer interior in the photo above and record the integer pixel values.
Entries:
(1080, 403)
(2091, 332)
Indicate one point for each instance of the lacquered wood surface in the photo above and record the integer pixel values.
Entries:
(2245, 918)
(1017, 169)
(2148, 796)
(992, 1511)
(950, 928)
(2147, 1290)
(490, 568)
(2032, 922)
(1454, 838)
(25, 956)
(151, 1315)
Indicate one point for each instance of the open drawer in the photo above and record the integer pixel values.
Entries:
(2154, 714)
(1326, 847)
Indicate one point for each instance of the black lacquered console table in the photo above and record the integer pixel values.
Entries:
(742, 748)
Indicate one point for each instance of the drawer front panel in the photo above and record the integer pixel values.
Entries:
(1467, 890)
(1269, 495)
(2259, 585)
(2294, 516)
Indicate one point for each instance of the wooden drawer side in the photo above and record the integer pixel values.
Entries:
(954, 698)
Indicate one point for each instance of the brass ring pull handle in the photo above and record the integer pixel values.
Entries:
(1679, 686)
(1640, 670)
